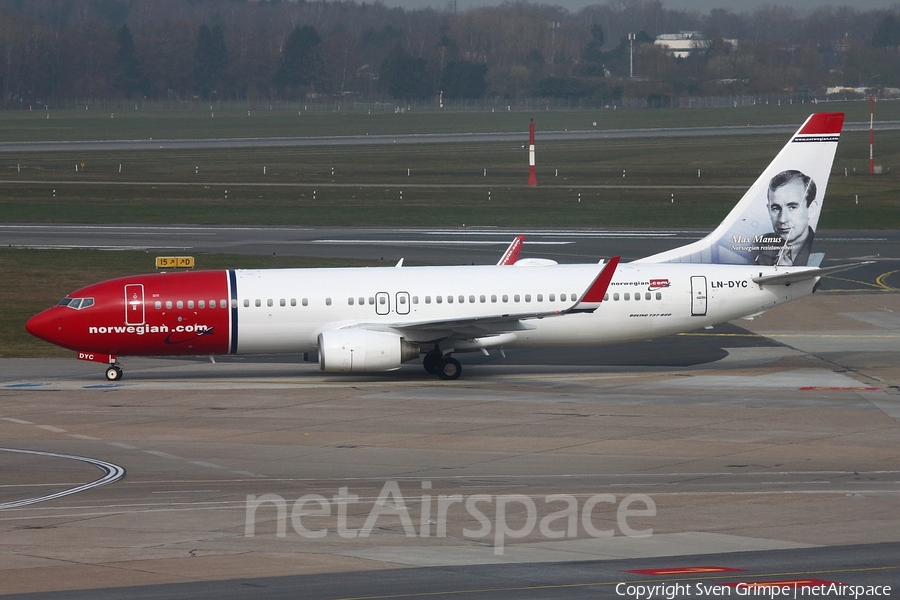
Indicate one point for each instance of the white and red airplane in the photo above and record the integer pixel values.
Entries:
(375, 319)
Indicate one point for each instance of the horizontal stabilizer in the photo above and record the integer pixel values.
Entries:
(796, 276)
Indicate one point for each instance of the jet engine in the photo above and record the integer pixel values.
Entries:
(362, 350)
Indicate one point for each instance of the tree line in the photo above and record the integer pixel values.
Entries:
(52, 50)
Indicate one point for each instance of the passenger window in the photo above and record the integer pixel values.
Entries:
(627, 296)
(482, 299)
(552, 298)
(659, 295)
(327, 301)
(190, 304)
(282, 302)
(157, 305)
(382, 300)
(246, 303)
(362, 301)
(427, 299)
(637, 296)
(269, 302)
(201, 304)
(293, 302)
(472, 299)
(402, 300)
(540, 297)
(258, 303)
(372, 300)
(305, 302)
(647, 296)
(179, 305)
(516, 298)
(415, 300)
(223, 303)
(438, 299)
(494, 298)
(606, 297)
(234, 303)
(350, 301)
(168, 305)
(449, 299)
(505, 298)
(527, 297)
(616, 297)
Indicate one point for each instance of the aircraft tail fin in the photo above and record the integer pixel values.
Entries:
(512, 252)
(776, 220)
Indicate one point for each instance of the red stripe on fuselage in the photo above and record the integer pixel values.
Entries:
(184, 313)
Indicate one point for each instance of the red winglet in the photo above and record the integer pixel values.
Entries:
(598, 289)
(822, 123)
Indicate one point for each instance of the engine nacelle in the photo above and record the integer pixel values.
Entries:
(361, 350)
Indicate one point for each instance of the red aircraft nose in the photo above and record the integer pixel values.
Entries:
(46, 325)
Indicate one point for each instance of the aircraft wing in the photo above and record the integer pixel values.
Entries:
(796, 276)
(433, 330)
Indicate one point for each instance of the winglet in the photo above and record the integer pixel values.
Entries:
(592, 298)
(512, 253)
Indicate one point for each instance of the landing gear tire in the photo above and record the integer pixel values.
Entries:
(432, 363)
(114, 373)
(450, 369)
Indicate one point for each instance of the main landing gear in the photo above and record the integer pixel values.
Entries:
(114, 373)
(445, 367)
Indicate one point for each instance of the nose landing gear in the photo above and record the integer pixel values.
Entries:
(114, 373)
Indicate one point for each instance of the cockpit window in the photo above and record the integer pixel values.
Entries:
(76, 303)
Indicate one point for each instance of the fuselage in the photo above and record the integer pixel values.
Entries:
(285, 310)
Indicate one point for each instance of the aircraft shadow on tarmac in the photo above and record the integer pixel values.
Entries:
(696, 348)
(678, 351)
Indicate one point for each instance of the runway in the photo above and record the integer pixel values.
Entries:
(769, 447)
(427, 138)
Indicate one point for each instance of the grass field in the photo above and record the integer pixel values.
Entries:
(103, 124)
(447, 184)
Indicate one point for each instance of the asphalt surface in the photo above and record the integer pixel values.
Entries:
(863, 565)
(767, 446)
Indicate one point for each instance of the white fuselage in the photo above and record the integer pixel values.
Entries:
(285, 310)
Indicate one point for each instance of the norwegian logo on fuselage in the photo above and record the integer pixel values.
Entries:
(658, 284)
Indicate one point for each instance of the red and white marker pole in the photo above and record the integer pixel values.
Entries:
(532, 178)
(871, 135)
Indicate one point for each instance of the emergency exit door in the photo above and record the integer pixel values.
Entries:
(134, 304)
(698, 296)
